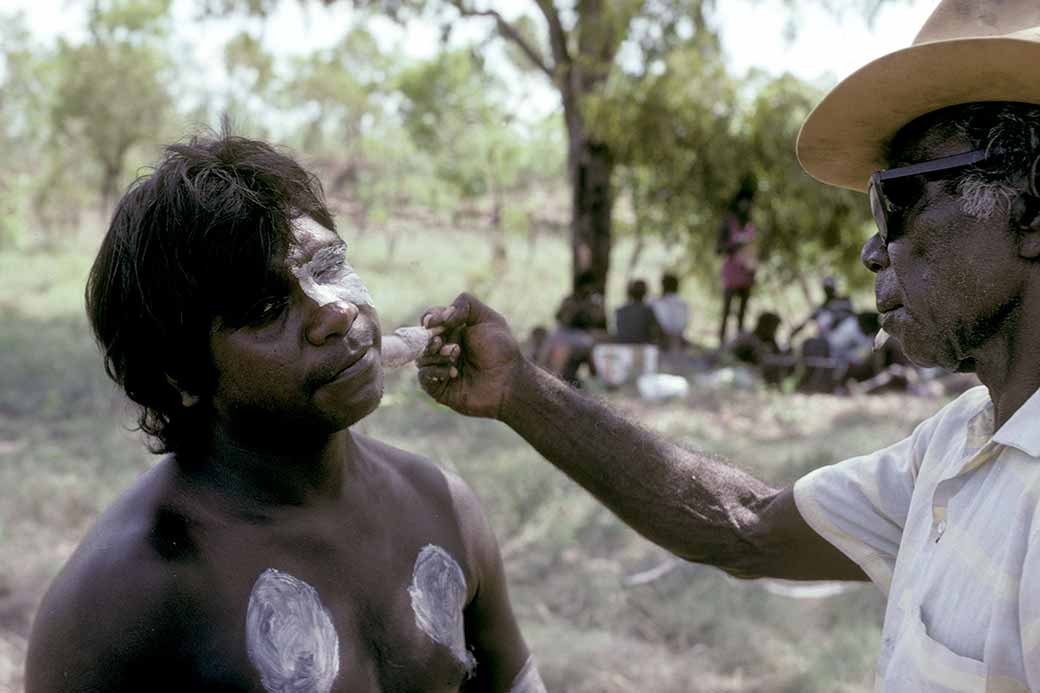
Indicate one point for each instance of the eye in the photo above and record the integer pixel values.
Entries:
(266, 310)
(904, 193)
(330, 271)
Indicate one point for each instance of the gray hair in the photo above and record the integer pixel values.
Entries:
(1010, 131)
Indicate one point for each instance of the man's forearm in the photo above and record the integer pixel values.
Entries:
(690, 503)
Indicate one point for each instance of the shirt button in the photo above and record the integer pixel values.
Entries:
(940, 529)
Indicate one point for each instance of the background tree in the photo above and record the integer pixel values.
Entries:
(578, 46)
(453, 109)
(112, 89)
(26, 90)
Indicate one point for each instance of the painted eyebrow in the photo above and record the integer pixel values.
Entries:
(329, 255)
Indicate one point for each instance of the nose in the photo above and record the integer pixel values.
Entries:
(331, 321)
(874, 255)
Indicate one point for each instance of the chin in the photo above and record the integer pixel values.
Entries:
(366, 402)
(922, 353)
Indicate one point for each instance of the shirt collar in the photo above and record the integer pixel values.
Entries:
(1022, 430)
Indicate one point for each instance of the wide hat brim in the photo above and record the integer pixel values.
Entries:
(843, 140)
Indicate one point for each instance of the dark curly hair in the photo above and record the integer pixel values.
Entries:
(195, 241)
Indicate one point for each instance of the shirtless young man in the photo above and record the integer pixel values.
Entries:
(272, 549)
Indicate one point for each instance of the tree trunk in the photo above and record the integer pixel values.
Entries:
(591, 168)
(109, 190)
(499, 253)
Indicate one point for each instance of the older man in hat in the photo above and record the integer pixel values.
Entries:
(944, 137)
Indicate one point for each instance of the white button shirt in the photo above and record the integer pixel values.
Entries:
(947, 524)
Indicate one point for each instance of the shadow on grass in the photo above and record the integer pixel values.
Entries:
(65, 451)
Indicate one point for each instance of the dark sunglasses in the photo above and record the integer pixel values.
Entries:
(881, 205)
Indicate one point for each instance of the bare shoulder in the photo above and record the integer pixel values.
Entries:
(420, 475)
(112, 609)
(432, 489)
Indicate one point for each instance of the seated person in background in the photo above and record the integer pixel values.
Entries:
(672, 313)
(759, 348)
(833, 310)
(885, 368)
(535, 342)
(636, 321)
(273, 548)
(581, 322)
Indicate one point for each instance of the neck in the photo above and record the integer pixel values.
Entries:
(1009, 365)
(310, 473)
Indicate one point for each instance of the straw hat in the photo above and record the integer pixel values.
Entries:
(982, 50)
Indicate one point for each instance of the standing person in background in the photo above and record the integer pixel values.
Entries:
(672, 313)
(736, 241)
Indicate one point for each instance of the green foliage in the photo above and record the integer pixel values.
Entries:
(95, 103)
(686, 136)
(811, 228)
(341, 92)
(452, 108)
(26, 92)
(247, 60)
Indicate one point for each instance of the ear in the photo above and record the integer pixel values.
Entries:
(1025, 219)
(187, 399)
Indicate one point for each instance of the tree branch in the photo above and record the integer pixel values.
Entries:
(557, 35)
(508, 31)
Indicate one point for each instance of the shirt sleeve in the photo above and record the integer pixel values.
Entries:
(861, 505)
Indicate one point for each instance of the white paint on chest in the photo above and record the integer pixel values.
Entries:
(438, 593)
(327, 277)
(528, 680)
(289, 636)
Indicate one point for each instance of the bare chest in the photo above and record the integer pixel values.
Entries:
(331, 617)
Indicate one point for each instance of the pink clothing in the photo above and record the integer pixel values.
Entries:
(738, 269)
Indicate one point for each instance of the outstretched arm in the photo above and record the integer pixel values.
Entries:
(693, 504)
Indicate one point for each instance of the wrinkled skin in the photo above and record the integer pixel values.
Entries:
(947, 283)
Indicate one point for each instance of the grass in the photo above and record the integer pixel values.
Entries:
(65, 453)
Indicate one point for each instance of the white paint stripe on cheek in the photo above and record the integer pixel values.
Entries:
(438, 593)
(528, 680)
(290, 638)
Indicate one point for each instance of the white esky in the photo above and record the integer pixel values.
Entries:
(825, 49)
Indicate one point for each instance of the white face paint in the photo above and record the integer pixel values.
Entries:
(528, 680)
(438, 594)
(289, 636)
(327, 277)
(404, 346)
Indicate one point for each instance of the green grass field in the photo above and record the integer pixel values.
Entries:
(66, 452)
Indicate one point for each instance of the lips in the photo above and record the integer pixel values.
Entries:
(890, 318)
(355, 363)
(887, 306)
